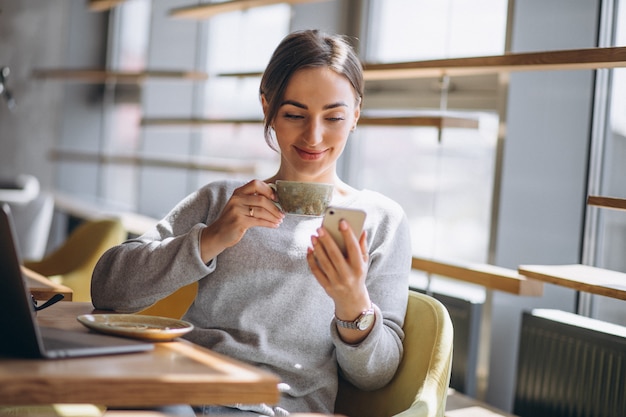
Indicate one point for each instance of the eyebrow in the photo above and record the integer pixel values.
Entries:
(305, 107)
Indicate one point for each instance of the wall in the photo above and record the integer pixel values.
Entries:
(82, 107)
(32, 35)
(173, 45)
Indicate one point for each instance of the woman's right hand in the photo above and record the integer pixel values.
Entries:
(251, 205)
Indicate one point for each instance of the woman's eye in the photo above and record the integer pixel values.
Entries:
(293, 116)
(335, 119)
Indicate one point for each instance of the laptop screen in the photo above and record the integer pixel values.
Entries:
(16, 308)
(21, 336)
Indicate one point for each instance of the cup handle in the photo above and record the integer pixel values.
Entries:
(276, 203)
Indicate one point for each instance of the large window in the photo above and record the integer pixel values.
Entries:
(252, 36)
(611, 235)
(445, 183)
(413, 30)
(149, 169)
(122, 108)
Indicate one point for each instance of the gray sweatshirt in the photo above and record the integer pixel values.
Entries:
(258, 300)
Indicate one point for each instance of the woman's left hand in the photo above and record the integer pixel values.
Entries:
(342, 277)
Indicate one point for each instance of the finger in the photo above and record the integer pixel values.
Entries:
(253, 188)
(316, 270)
(256, 201)
(323, 257)
(353, 247)
(261, 207)
(259, 216)
(258, 187)
(259, 194)
(330, 247)
(355, 262)
(363, 244)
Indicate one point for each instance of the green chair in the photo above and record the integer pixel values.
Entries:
(72, 263)
(420, 386)
(175, 304)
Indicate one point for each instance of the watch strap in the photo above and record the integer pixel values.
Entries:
(347, 324)
(354, 324)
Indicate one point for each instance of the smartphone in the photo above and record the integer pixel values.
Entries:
(333, 215)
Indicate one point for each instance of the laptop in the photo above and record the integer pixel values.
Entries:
(21, 336)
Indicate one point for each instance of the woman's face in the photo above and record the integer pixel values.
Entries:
(315, 117)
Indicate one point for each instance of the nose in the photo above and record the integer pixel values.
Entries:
(314, 132)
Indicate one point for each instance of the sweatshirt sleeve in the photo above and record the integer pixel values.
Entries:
(141, 271)
(372, 363)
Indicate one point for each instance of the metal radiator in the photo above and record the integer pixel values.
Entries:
(465, 315)
(569, 365)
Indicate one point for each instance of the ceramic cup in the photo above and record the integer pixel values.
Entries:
(303, 198)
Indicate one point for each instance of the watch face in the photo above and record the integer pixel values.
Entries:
(366, 320)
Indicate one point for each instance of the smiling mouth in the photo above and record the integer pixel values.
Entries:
(310, 155)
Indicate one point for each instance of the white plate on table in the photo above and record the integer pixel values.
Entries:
(136, 326)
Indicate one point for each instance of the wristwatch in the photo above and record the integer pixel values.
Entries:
(363, 322)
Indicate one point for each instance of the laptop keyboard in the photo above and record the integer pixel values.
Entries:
(56, 339)
(52, 343)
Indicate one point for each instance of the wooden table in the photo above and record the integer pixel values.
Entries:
(42, 288)
(177, 372)
(580, 277)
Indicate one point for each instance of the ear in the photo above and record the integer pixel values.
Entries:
(357, 114)
(264, 104)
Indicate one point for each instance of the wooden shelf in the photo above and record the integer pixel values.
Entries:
(580, 277)
(205, 11)
(439, 122)
(489, 276)
(126, 77)
(534, 61)
(203, 164)
(569, 59)
(607, 202)
(103, 5)
(250, 74)
(194, 122)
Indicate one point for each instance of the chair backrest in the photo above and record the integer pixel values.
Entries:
(175, 304)
(72, 263)
(420, 386)
(32, 222)
(21, 189)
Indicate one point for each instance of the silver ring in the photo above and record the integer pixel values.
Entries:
(251, 211)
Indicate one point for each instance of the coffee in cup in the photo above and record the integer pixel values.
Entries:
(303, 198)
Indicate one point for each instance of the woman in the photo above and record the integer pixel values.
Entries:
(274, 289)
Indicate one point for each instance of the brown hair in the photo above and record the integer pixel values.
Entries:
(306, 49)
